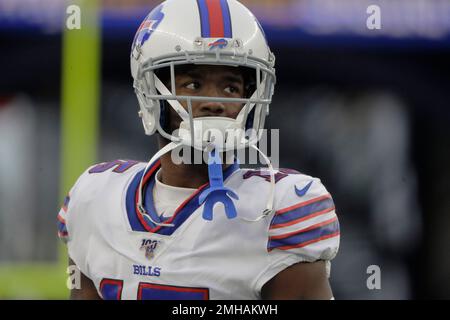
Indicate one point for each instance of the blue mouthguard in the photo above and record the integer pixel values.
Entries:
(216, 191)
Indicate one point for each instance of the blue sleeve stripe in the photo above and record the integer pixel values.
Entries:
(302, 211)
(321, 231)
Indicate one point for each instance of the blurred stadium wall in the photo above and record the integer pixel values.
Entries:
(364, 110)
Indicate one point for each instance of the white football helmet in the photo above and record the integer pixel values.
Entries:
(203, 32)
(212, 32)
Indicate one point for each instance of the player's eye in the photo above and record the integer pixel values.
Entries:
(192, 85)
(232, 90)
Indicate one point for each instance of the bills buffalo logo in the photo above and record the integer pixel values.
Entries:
(147, 27)
(220, 44)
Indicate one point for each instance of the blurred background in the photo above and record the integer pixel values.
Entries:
(365, 110)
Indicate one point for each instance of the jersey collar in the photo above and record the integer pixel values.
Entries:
(182, 213)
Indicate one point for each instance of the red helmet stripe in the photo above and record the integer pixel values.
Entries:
(216, 21)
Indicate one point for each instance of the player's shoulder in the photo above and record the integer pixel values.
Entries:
(97, 183)
(287, 182)
(110, 175)
(109, 172)
(300, 189)
(115, 167)
(304, 221)
(303, 226)
(280, 173)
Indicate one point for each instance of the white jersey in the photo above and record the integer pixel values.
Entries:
(129, 257)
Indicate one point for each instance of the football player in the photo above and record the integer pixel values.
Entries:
(168, 229)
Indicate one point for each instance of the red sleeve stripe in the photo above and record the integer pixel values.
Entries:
(61, 219)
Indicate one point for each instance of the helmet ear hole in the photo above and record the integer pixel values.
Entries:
(249, 81)
(164, 117)
(164, 75)
(250, 120)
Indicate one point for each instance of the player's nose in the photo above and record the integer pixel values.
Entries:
(212, 108)
(215, 109)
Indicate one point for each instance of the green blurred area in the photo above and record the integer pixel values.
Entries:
(33, 281)
(80, 87)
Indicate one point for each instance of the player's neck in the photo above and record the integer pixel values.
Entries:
(182, 175)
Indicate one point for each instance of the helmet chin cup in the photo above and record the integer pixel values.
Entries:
(224, 134)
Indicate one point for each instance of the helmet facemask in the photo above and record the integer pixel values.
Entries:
(201, 133)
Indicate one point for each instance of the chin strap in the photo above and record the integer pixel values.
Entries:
(269, 206)
(216, 191)
(167, 148)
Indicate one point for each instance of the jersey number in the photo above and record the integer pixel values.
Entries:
(111, 289)
(121, 166)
